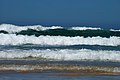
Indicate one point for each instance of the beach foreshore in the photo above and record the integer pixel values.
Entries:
(72, 69)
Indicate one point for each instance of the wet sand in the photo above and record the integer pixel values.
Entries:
(87, 74)
(70, 68)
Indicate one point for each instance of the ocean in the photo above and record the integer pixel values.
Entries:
(58, 43)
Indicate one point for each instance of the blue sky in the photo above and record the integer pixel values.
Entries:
(104, 13)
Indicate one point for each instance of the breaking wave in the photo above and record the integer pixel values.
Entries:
(39, 30)
(13, 39)
(59, 43)
(63, 54)
(71, 33)
(13, 28)
(85, 28)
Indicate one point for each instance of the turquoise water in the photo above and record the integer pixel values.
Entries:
(47, 76)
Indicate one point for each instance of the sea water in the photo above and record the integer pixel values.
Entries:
(47, 76)
(58, 43)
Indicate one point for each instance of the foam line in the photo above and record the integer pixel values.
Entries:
(13, 28)
(12, 39)
(63, 54)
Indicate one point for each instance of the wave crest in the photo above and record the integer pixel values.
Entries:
(64, 54)
(13, 28)
(85, 28)
(12, 39)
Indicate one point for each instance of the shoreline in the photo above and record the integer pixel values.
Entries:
(69, 69)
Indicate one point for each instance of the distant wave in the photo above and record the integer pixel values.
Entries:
(13, 28)
(10, 28)
(114, 30)
(71, 33)
(13, 39)
(85, 28)
(39, 30)
(63, 54)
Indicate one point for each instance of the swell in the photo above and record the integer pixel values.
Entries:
(71, 33)
(65, 32)
(39, 30)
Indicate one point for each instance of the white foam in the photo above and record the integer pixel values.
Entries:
(13, 28)
(85, 28)
(12, 39)
(114, 30)
(63, 54)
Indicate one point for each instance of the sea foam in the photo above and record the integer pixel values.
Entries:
(85, 28)
(10, 28)
(13, 28)
(13, 39)
(114, 30)
(63, 54)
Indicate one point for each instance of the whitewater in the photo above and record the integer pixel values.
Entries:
(62, 54)
(13, 28)
(54, 43)
(13, 39)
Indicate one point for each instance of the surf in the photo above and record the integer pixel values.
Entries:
(13, 39)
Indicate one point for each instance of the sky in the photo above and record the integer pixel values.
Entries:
(105, 13)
